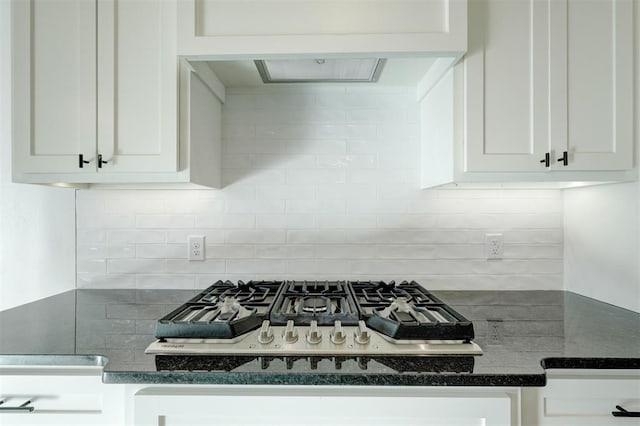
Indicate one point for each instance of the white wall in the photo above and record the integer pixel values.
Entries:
(602, 243)
(37, 224)
(320, 183)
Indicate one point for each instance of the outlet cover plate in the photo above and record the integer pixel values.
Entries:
(494, 246)
(195, 247)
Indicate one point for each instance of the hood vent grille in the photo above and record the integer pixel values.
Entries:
(320, 70)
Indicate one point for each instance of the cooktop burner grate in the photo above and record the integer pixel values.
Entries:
(409, 312)
(224, 310)
(322, 301)
(399, 313)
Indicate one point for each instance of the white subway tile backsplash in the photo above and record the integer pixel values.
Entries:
(316, 176)
(133, 236)
(121, 251)
(225, 221)
(90, 236)
(347, 161)
(318, 267)
(346, 221)
(346, 251)
(284, 192)
(135, 266)
(164, 221)
(282, 251)
(320, 182)
(207, 266)
(102, 280)
(313, 236)
(161, 251)
(182, 236)
(257, 266)
(290, 221)
(229, 251)
(244, 178)
(92, 265)
(91, 251)
(255, 236)
(183, 282)
(254, 206)
(315, 206)
(348, 191)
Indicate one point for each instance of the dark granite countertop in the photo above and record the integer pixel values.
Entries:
(520, 332)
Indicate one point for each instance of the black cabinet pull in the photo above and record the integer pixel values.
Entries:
(624, 413)
(82, 161)
(101, 161)
(22, 407)
(547, 159)
(564, 158)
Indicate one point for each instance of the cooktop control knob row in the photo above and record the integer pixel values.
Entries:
(337, 335)
(362, 334)
(290, 333)
(315, 336)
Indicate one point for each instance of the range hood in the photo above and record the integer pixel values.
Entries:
(305, 70)
(416, 71)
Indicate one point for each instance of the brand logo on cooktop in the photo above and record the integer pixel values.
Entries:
(170, 345)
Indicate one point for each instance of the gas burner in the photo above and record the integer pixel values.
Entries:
(322, 301)
(315, 304)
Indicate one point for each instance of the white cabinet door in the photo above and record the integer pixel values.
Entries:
(54, 85)
(59, 396)
(137, 86)
(190, 405)
(583, 398)
(592, 84)
(506, 87)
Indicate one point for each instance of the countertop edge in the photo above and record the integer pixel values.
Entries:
(319, 379)
(53, 360)
(595, 363)
(226, 378)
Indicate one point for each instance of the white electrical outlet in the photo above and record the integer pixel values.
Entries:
(493, 246)
(196, 247)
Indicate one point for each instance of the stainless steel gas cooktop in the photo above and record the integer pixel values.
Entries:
(298, 318)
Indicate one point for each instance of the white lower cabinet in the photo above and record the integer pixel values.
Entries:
(59, 396)
(269, 405)
(583, 397)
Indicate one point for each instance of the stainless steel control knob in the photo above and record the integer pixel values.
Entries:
(290, 333)
(337, 335)
(314, 336)
(362, 334)
(266, 334)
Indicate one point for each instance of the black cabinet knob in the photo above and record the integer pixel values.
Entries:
(564, 158)
(82, 161)
(101, 161)
(547, 159)
(624, 413)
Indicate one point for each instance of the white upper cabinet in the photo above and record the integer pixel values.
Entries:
(592, 84)
(137, 85)
(507, 85)
(541, 78)
(94, 80)
(54, 86)
(284, 27)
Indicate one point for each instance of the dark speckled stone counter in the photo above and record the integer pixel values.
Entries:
(520, 332)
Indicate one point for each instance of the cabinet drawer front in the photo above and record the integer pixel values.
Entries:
(193, 406)
(53, 394)
(589, 400)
